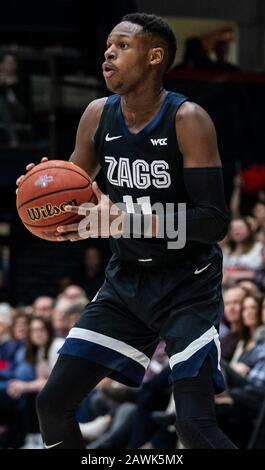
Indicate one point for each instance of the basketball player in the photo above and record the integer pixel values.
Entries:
(153, 146)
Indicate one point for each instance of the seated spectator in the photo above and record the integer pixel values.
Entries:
(14, 98)
(33, 364)
(73, 292)
(195, 56)
(258, 213)
(242, 252)
(58, 319)
(233, 298)
(91, 276)
(239, 405)
(10, 351)
(73, 313)
(221, 50)
(250, 320)
(36, 363)
(5, 323)
(42, 307)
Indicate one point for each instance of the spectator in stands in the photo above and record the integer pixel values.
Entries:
(14, 97)
(221, 50)
(42, 307)
(244, 396)
(252, 280)
(35, 365)
(58, 319)
(29, 373)
(195, 56)
(5, 322)
(10, 350)
(250, 320)
(91, 277)
(74, 293)
(258, 213)
(242, 252)
(233, 298)
(72, 314)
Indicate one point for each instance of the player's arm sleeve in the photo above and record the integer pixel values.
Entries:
(207, 219)
(207, 214)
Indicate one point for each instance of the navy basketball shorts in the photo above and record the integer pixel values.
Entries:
(138, 305)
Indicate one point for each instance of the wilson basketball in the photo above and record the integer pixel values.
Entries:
(44, 193)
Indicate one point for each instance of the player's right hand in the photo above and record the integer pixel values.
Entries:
(28, 168)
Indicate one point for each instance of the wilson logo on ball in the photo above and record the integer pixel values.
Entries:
(48, 210)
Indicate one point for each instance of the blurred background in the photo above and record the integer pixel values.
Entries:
(50, 69)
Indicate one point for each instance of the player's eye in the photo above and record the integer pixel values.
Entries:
(123, 45)
(108, 45)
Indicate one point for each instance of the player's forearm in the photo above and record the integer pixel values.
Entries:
(206, 222)
(91, 166)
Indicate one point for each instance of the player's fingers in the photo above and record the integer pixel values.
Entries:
(73, 236)
(68, 228)
(30, 166)
(19, 180)
(81, 210)
(96, 190)
(73, 209)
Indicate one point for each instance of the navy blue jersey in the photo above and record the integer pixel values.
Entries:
(143, 169)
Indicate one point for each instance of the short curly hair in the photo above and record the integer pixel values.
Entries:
(156, 26)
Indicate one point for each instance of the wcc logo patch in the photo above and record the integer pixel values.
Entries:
(157, 142)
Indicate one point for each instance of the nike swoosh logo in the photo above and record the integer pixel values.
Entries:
(53, 445)
(198, 271)
(108, 138)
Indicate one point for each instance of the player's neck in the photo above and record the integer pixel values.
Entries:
(142, 104)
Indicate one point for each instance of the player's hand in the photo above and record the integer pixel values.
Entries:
(28, 168)
(102, 220)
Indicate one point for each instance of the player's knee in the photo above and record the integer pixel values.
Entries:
(46, 404)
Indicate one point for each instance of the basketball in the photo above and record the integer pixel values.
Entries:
(44, 193)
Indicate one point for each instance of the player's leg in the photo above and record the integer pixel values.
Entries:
(191, 333)
(115, 343)
(71, 380)
(196, 421)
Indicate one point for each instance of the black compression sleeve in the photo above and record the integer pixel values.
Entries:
(207, 216)
(207, 221)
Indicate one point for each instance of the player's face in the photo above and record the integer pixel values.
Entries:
(126, 58)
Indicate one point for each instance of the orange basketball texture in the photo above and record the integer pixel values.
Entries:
(46, 190)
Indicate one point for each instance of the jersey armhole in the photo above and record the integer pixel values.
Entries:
(110, 100)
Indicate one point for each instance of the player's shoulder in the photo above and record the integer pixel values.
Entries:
(91, 116)
(191, 118)
(96, 106)
(190, 111)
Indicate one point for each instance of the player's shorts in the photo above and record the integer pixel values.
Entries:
(139, 304)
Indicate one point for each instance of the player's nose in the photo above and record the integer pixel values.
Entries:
(110, 54)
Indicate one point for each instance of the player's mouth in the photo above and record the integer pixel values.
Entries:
(108, 69)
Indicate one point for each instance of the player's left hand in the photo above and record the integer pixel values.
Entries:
(102, 220)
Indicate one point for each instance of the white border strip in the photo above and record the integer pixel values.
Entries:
(111, 343)
(196, 345)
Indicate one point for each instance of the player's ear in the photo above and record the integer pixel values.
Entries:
(157, 55)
